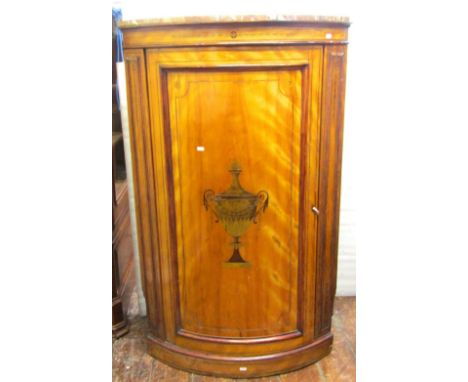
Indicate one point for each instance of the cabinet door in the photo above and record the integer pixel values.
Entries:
(234, 137)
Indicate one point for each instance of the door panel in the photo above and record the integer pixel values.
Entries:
(251, 118)
(238, 129)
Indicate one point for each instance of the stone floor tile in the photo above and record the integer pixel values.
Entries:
(164, 373)
(309, 373)
(340, 364)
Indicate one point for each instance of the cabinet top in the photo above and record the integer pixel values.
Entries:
(231, 31)
(246, 19)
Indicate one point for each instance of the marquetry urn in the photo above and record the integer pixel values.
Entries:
(236, 133)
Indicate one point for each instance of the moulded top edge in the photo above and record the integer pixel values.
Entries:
(196, 20)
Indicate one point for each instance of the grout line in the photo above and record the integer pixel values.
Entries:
(150, 376)
(349, 344)
(323, 377)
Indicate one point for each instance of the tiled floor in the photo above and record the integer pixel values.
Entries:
(132, 364)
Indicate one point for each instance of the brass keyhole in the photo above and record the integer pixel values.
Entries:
(233, 34)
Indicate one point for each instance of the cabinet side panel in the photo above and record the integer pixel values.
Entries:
(329, 187)
(141, 153)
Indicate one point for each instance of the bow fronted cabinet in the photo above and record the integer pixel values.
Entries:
(236, 134)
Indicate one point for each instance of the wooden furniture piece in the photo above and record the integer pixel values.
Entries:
(236, 130)
(123, 278)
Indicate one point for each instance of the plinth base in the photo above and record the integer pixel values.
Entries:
(236, 366)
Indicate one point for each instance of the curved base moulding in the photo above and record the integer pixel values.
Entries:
(119, 323)
(119, 329)
(239, 367)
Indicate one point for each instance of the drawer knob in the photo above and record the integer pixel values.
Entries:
(233, 34)
(315, 210)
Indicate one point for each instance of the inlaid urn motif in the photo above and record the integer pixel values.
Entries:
(236, 209)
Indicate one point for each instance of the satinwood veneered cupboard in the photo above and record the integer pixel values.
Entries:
(236, 132)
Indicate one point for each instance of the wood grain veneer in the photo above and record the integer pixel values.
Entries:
(264, 100)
